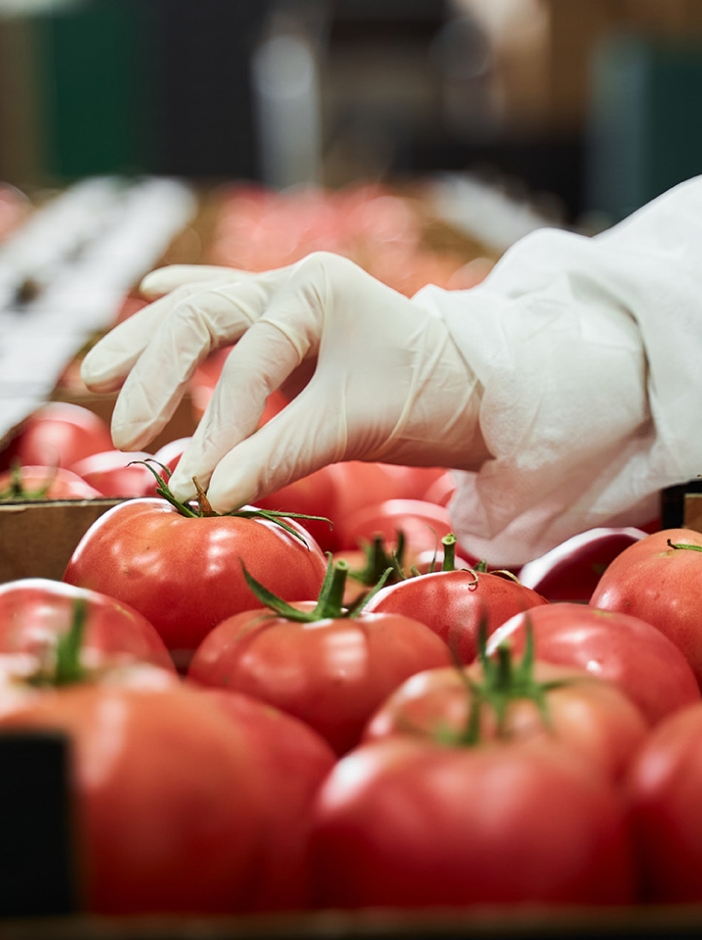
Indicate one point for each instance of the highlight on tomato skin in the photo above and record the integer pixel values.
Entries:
(183, 573)
(410, 824)
(656, 579)
(168, 805)
(621, 648)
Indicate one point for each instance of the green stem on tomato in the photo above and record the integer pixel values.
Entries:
(205, 510)
(329, 601)
(684, 545)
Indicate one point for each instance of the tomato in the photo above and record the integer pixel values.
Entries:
(117, 474)
(313, 495)
(34, 612)
(660, 584)
(23, 483)
(184, 573)
(423, 524)
(167, 806)
(169, 455)
(360, 484)
(571, 570)
(441, 490)
(60, 434)
(454, 604)
(593, 717)
(292, 761)
(624, 649)
(332, 672)
(415, 824)
(663, 795)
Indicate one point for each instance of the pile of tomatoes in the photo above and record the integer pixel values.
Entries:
(269, 712)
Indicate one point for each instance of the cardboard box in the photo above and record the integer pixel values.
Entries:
(38, 538)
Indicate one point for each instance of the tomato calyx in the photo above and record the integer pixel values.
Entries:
(378, 560)
(504, 681)
(201, 508)
(329, 601)
(17, 488)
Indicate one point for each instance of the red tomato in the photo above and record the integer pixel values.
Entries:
(170, 454)
(60, 434)
(571, 570)
(623, 649)
(415, 824)
(454, 604)
(659, 584)
(441, 490)
(117, 474)
(313, 495)
(663, 793)
(331, 673)
(184, 573)
(168, 808)
(423, 524)
(360, 484)
(44, 483)
(292, 760)
(34, 612)
(595, 718)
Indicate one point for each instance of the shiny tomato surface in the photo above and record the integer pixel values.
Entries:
(455, 603)
(184, 574)
(35, 612)
(331, 673)
(167, 802)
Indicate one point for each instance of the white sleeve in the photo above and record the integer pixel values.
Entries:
(590, 354)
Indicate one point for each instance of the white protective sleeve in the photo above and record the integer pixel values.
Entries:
(590, 353)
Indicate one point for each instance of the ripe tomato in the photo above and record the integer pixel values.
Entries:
(292, 761)
(167, 802)
(441, 490)
(331, 673)
(412, 824)
(184, 573)
(169, 455)
(571, 570)
(23, 483)
(624, 649)
(659, 584)
(454, 603)
(360, 484)
(60, 434)
(663, 788)
(593, 717)
(34, 612)
(117, 474)
(423, 524)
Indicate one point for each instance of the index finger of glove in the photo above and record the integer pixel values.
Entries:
(164, 280)
(193, 328)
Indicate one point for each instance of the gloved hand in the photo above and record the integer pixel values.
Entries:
(370, 374)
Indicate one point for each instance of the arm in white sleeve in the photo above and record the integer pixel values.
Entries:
(590, 354)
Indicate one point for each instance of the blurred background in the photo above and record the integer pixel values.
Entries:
(590, 107)
(421, 138)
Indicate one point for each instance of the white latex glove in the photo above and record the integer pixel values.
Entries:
(372, 376)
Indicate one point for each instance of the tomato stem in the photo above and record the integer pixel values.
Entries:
(329, 600)
(685, 545)
(205, 508)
